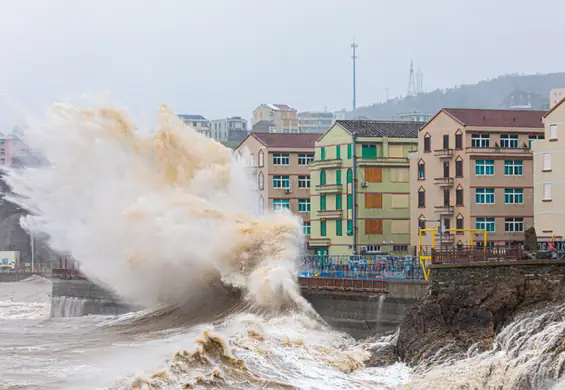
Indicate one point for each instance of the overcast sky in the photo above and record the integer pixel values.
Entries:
(224, 57)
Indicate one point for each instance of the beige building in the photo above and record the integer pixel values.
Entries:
(281, 115)
(279, 163)
(549, 175)
(555, 96)
(473, 170)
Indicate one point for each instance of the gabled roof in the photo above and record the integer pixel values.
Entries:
(192, 117)
(496, 118)
(280, 140)
(554, 107)
(393, 129)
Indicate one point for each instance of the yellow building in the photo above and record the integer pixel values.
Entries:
(360, 188)
(281, 115)
(549, 175)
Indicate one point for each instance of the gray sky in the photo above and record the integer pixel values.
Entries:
(225, 57)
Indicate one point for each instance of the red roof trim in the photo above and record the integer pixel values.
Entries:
(554, 107)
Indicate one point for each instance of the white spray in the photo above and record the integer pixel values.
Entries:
(156, 217)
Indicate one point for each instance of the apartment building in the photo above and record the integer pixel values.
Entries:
(555, 96)
(12, 148)
(314, 122)
(198, 122)
(473, 170)
(549, 176)
(228, 129)
(360, 188)
(279, 163)
(283, 116)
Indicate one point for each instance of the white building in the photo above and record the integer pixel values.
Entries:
(198, 122)
(227, 129)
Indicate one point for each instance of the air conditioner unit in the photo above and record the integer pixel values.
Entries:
(287, 190)
(363, 248)
(364, 184)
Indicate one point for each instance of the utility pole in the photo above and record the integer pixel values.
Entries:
(32, 244)
(354, 57)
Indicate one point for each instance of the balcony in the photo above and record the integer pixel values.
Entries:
(383, 161)
(321, 241)
(500, 151)
(445, 238)
(444, 210)
(443, 181)
(443, 153)
(330, 214)
(335, 163)
(329, 188)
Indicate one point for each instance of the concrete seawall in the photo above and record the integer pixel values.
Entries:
(18, 276)
(363, 314)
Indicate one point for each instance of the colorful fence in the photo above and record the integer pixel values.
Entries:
(362, 267)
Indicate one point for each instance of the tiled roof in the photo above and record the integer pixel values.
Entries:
(192, 117)
(295, 141)
(396, 129)
(497, 118)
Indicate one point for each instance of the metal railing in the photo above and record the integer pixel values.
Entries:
(474, 254)
(340, 284)
(378, 267)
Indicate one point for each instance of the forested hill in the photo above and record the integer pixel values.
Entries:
(501, 92)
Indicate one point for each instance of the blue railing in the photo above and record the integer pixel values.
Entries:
(362, 267)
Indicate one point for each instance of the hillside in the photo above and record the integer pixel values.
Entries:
(493, 93)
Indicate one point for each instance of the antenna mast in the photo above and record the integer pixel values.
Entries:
(354, 57)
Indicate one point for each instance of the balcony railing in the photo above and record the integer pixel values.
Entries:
(443, 153)
(330, 214)
(445, 238)
(329, 188)
(334, 163)
(445, 210)
(380, 161)
(322, 241)
(443, 181)
(499, 150)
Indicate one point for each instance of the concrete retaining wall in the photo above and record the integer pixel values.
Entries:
(17, 276)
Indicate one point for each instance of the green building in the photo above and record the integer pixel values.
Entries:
(362, 210)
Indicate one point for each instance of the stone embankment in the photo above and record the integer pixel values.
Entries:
(468, 303)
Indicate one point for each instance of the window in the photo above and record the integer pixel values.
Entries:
(485, 224)
(373, 248)
(421, 198)
(261, 181)
(260, 158)
(349, 202)
(446, 169)
(446, 142)
(338, 227)
(322, 202)
(306, 229)
(513, 224)
(338, 152)
(513, 167)
(303, 181)
(484, 167)
(509, 140)
(459, 223)
(480, 140)
(459, 196)
(484, 195)
(349, 176)
(303, 205)
(349, 151)
(447, 223)
(459, 168)
(305, 158)
(421, 223)
(459, 141)
(513, 195)
(281, 158)
(338, 202)
(427, 143)
(281, 181)
(338, 176)
(281, 204)
(349, 227)
(546, 191)
(400, 248)
(421, 171)
(323, 153)
(322, 177)
(323, 228)
(546, 162)
(369, 151)
(261, 204)
(373, 226)
(553, 132)
(533, 138)
(446, 200)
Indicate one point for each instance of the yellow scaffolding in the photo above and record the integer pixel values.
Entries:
(426, 260)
